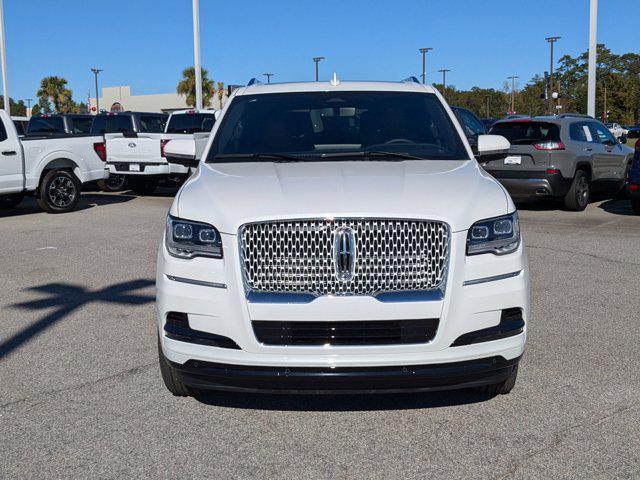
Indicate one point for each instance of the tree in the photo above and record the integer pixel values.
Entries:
(220, 93)
(35, 110)
(187, 87)
(55, 89)
(18, 109)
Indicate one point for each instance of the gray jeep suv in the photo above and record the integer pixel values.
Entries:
(566, 156)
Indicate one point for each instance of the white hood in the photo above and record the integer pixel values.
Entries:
(228, 195)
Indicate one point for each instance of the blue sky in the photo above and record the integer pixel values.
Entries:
(147, 43)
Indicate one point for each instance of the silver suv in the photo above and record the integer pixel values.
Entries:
(566, 156)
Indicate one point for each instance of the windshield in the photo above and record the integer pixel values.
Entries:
(190, 122)
(319, 125)
(46, 125)
(527, 133)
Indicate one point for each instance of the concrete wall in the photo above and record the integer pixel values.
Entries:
(158, 102)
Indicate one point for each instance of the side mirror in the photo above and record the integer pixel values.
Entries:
(181, 152)
(492, 147)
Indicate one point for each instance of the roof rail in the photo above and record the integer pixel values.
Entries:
(254, 81)
(412, 79)
(579, 115)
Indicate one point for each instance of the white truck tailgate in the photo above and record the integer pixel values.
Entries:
(141, 149)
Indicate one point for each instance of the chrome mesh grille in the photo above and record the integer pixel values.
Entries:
(297, 256)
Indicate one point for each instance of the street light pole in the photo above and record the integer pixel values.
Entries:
(3, 60)
(424, 51)
(317, 60)
(551, 41)
(96, 71)
(513, 92)
(196, 53)
(444, 79)
(593, 52)
(268, 75)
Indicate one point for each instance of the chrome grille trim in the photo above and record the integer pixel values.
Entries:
(297, 256)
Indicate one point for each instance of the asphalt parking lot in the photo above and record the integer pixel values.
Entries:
(81, 395)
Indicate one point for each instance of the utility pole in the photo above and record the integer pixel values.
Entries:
(317, 60)
(424, 51)
(444, 79)
(513, 93)
(268, 75)
(96, 71)
(28, 100)
(551, 41)
(196, 53)
(3, 60)
(593, 52)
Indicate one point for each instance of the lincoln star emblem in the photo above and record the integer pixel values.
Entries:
(344, 253)
(132, 145)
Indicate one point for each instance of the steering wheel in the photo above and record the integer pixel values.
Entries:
(398, 140)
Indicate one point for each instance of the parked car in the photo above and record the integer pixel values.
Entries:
(488, 122)
(51, 167)
(634, 181)
(564, 156)
(471, 124)
(69, 123)
(340, 236)
(139, 158)
(125, 123)
(21, 124)
(618, 131)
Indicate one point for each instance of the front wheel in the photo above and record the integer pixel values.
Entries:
(59, 191)
(143, 186)
(10, 201)
(578, 196)
(114, 183)
(170, 379)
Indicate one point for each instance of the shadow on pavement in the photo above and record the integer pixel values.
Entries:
(341, 402)
(618, 207)
(65, 298)
(87, 200)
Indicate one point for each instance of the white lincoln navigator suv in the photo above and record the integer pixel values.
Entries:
(340, 237)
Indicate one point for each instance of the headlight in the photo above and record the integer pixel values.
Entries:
(187, 239)
(498, 235)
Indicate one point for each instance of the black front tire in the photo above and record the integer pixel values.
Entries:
(169, 377)
(59, 191)
(8, 202)
(114, 183)
(143, 186)
(579, 194)
(635, 205)
(502, 388)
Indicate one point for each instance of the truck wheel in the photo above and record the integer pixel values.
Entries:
(114, 183)
(501, 388)
(10, 201)
(143, 186)
(170, 379)
(578, 196)
(59, 191)
(635, 205)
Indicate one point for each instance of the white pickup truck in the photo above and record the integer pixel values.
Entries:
(52, 168)
(140, 156)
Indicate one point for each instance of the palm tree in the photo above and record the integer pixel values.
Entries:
(55, 89)
(220, 93)
(187, 87)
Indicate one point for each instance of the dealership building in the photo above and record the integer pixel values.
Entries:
(121, 98)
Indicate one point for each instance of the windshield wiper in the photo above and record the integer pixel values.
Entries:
(372, 153)
(277, 157)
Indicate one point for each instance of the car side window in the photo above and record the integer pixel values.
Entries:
(580, 132)
(602, 134)
(3, 132)
(472, 125)
(99, 125)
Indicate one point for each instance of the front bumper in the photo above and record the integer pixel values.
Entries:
(532, 183)
(216, 304)
(447, 376)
